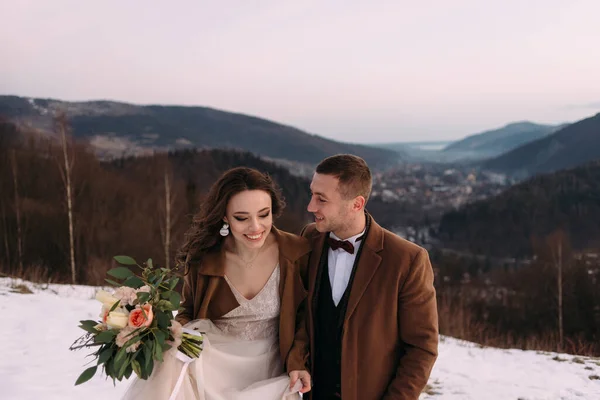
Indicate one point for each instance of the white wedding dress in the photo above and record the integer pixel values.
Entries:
(240, 359)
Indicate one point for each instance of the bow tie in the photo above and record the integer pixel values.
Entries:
(335, 244)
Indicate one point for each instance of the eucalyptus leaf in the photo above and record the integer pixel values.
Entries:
(175, 300)
(143, 297)
(120, 272)
(133, 282)
(112, 282)
(163, 320)
(125, 260)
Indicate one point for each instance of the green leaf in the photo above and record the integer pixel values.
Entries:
(109, 367)
(173, 283)
(148, 351)
(137, 368)
(160, 337)
(86, 375)
(114, 306)
(105, 337)
(131, 341)
(128, 371)
(88, 326)
(89, 322)
(164, 305)
(112, 282)
(159, 281)
(149, 263)
(166, 295)
(163, 320)
(175, 300)
(143, 297)
(105, 355)
(123, 367)
(158, 352)
(150, 369)
(133, 282)
(120, 272)
(125, 260)
(121, 355)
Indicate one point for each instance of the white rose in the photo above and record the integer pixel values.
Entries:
(117, 319)
(106, 298)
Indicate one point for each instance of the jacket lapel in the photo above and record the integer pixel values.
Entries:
(317, 243)
(213, 264)
(367, 266)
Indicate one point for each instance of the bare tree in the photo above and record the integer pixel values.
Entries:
(15, 172)
(559, 247)
(66, 168)
(559, 283)
(168, 220)
(5, 229)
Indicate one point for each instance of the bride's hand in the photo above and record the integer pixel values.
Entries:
(304, 377)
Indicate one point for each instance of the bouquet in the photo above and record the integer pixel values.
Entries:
(137, 324)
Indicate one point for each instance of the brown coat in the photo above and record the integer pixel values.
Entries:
(390, 330)
(206, 294)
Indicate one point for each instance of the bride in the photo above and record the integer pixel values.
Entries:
(243, 288)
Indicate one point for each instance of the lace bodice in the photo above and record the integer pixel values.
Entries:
(257, 318)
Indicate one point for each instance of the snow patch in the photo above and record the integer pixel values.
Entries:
(39, 323)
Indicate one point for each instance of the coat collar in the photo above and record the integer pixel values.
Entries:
(368, 262)
(373, 241)
(291, 248)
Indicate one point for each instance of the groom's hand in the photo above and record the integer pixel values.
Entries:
(304, 377)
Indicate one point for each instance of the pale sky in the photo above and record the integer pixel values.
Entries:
(360, 71)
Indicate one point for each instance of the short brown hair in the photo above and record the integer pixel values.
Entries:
(352, 172)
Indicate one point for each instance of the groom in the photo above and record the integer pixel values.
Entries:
(373, 322)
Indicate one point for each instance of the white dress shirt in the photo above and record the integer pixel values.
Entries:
(340, 266)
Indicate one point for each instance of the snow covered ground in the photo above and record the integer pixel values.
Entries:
(38, 328)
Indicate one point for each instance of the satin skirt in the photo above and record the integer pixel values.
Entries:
(227, 369)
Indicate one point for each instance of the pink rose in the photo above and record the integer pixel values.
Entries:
(126, 294)
(124, 336)
(137, 318)
(133, 348)
(104, 314)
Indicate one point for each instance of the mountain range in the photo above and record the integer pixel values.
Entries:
(498, 141)
(568, 147)
(475, 147)
(505, 225)
(115, 128)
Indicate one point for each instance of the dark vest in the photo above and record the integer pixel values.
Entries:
(328, 324)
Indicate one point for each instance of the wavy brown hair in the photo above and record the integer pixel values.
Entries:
(203, 235)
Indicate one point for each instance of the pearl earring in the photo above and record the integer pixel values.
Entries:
(224, 230)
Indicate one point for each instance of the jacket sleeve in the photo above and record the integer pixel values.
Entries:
(190, 286)
(418, 327)
(298, 356)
